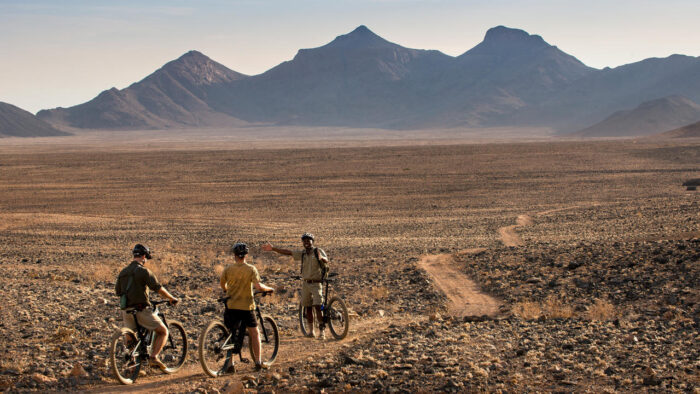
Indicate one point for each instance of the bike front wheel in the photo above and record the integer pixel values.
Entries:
(124, 359)
(212, 356)
(338, 318)
(174, 352)
(269, 340)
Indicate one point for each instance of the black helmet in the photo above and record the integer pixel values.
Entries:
(307, 236)
(240, 249)
(140, 250)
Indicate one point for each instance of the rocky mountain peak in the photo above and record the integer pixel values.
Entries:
(199, 69)
(361, 37)
(504, 40)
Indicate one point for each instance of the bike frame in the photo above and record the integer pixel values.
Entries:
(236, 346)
(146, 336)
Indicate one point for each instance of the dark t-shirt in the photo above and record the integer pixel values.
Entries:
(143, 280)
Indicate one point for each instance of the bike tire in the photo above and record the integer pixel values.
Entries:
(211, 357)
(124, 365)
(174, 352)
(338, 318)
(303, 324)
(268, 346)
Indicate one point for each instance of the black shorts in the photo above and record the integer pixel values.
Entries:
(232, 317)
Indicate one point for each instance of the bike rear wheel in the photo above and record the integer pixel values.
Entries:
(211, 355)
(269, 340)
(338, 318)
(306, 329)
(124, 359)
(174, 352)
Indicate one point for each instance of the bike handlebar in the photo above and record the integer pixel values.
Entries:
(255, 293)
(327, 279)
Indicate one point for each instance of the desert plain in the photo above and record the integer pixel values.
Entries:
(468, 266)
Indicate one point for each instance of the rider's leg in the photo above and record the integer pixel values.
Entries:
(317, 296)
(310, 320)
(255, 338)
(307, 301)
(161, 336)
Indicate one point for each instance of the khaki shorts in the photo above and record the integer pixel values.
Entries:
(145, 317)
(311, 294)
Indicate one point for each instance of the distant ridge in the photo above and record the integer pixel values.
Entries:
(648, 118)
(174, 96)
(359, 79)
(689, 131)
(16, 122)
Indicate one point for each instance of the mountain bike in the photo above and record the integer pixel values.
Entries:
(129, 350)
(218, 344)
(334, 313)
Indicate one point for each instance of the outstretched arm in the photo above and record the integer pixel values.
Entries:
(269, 248)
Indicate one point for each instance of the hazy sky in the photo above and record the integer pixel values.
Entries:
(64, 52)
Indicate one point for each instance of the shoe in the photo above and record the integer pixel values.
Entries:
(261, 366)
(322, 336)
(155, 362)
(311, 334)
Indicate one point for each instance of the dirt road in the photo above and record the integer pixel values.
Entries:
(293, 351)
(464, 297)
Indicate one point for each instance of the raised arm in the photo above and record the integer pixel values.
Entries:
(269, 248)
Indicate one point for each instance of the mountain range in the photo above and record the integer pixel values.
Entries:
(359, 79)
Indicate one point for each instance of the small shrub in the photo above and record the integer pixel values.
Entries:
(555, 308)
(379, 293)
(63, 335)
(601, 310)
(527, 310)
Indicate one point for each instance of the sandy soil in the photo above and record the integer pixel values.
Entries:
(414, 228)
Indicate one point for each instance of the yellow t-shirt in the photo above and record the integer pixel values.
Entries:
(239, 279)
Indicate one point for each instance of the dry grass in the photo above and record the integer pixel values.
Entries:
(527, 310)
(64, 335)
(601, 310)
(379, 292)
(555, 308)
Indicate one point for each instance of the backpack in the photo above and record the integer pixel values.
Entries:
(122, 299)
(324, 267)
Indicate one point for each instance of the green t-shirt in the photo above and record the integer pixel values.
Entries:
(239, 279)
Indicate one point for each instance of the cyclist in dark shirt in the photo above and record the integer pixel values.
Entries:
(136, 281)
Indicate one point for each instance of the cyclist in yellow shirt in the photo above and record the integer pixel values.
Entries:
(237, 281)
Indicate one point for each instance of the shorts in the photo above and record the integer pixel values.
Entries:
(311, 294)
(145, 317)
(233, 316)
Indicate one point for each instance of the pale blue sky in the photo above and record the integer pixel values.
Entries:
(63, 53)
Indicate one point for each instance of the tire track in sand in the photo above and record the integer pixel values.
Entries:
(509, 236)
(463, 295)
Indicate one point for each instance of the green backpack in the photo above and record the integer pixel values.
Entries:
(122, 299)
